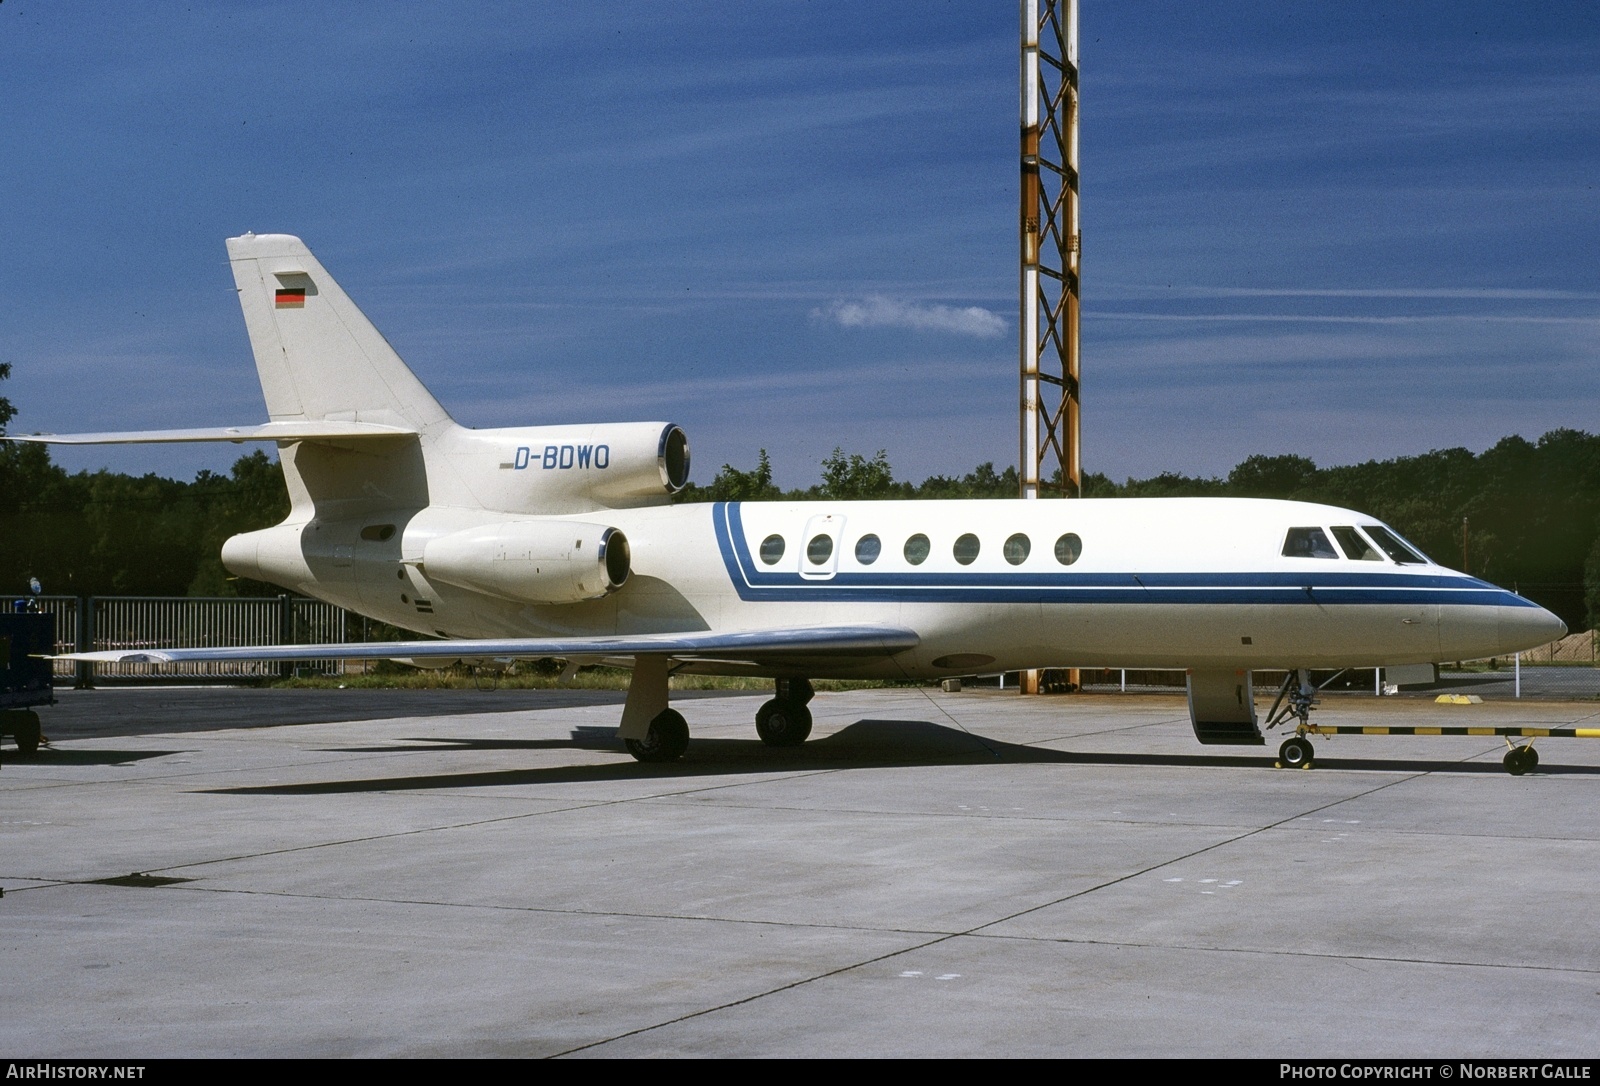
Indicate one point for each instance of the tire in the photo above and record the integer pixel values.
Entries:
(1296, 753)
(25, 729)
(782, 723)
(666, 740)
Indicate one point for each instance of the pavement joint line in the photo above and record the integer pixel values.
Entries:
(546, 910)
(469, 824)
(1091, 820)
(939, 936)
(1199, 851)
(977, 930)
(750, 998)
(1290, 953)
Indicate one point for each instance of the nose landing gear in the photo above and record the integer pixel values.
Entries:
(1296, 698)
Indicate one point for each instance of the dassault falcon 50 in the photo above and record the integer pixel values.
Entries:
(563, 541)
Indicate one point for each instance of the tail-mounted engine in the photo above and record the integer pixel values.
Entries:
(554, 561)
(573, 469)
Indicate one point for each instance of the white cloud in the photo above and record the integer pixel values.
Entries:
(877, 311)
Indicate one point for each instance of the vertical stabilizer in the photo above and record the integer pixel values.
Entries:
(317, 355)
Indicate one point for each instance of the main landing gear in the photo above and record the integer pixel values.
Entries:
(785, 721)
(654, 732)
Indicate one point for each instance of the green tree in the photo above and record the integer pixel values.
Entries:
(853, 477)
(733, 485)
(1271, 476)
(7, 412)
(250, 497)
(1591, 586)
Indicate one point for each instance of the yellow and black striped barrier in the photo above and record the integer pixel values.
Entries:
(1522, 733)
(1429, 730)
(1296, 752)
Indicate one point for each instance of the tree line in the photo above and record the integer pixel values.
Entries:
(1530, 509)
(1523, 514)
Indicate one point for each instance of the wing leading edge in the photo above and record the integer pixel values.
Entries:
(304, 430)
(740, 645)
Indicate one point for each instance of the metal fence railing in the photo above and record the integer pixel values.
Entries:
(107, 623)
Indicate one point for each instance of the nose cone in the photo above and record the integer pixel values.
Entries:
(1528, 627)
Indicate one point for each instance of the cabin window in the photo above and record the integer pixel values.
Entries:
(1016, 549)
(378, 533)
(1394, 546)
(1068, 547)
(868, 547)
(820, 549)
(917, 548)
(1355, 545)
(966, 549)
(772, 549)
(1308, 543)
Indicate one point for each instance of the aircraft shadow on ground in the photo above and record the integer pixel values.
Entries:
(60, 756)
(866, 744)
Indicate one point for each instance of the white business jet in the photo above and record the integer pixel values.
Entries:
(562, 541)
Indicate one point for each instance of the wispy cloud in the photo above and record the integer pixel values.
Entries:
(1515, 294)
(1312, 318)
(877, 311)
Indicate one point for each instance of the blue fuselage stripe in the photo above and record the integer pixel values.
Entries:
(1320, 586)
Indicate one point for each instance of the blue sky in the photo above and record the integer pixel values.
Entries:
(1346, 231)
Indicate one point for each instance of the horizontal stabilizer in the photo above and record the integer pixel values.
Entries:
(743, 645)
(270, 431)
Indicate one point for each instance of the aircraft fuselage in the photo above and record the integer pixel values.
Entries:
(988, 585)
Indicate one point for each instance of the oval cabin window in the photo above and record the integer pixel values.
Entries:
(820, 549)
(1017, 548)
(772, 549)
(966, 549)
(1068, 547)
(917, 548)
(868, 547)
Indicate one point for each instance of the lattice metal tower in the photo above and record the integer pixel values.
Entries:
(1050, 249)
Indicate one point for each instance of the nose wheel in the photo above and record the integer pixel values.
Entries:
(1296, 753)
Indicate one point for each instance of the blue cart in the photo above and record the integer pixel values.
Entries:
(24, 677)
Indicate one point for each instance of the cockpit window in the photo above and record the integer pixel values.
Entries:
(1308, 543)
(1394, 546)
(1355, 545)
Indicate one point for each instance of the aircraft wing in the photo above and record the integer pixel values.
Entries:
(738, 645)
(309, 430)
